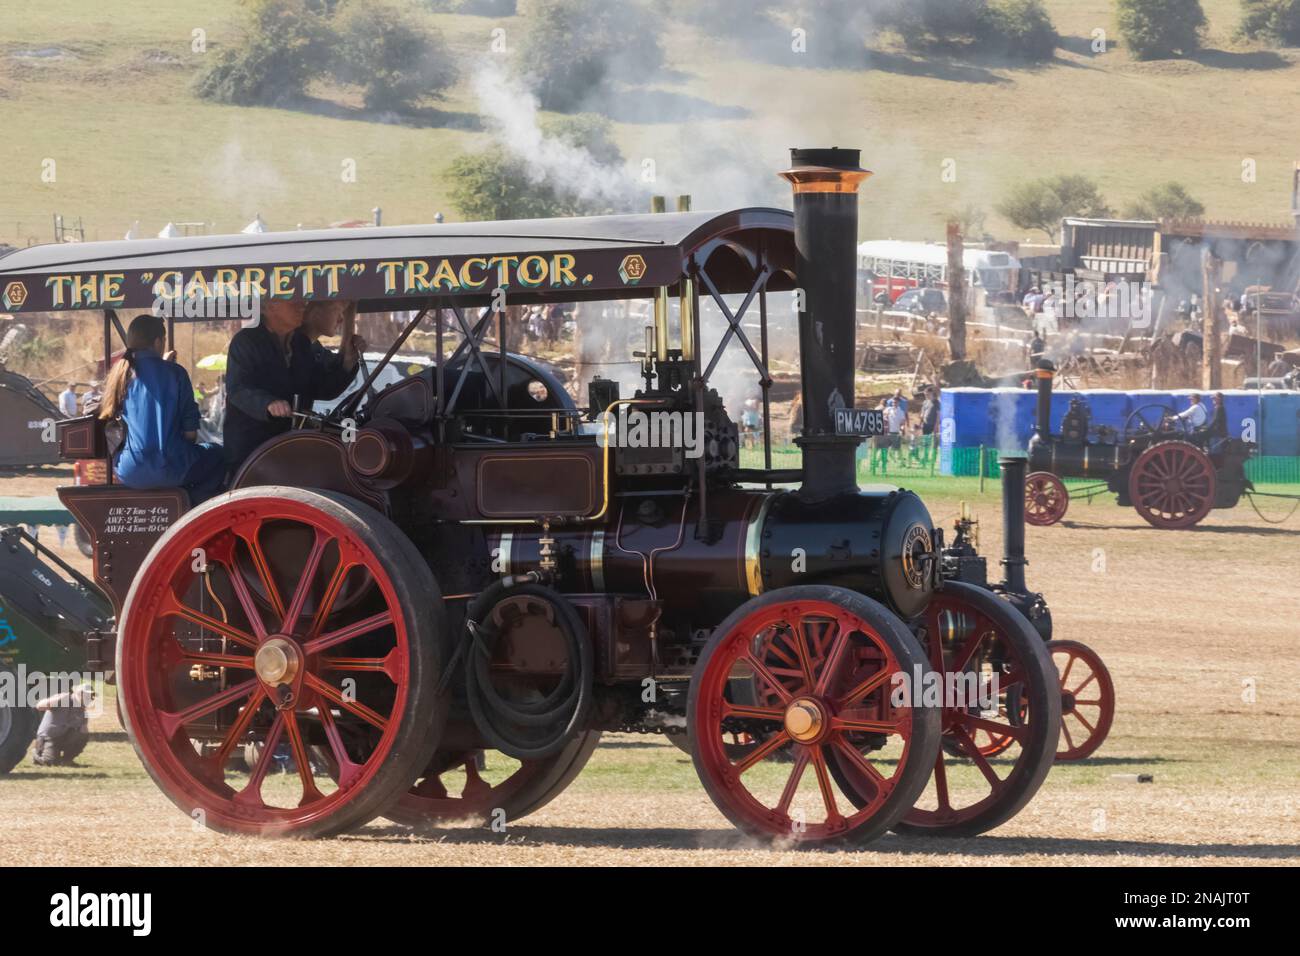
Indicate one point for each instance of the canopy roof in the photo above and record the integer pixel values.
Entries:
(395, 267)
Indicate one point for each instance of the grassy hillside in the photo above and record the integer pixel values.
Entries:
(112, 106)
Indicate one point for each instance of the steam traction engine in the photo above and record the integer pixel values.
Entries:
(1171, 474)
(469, 566)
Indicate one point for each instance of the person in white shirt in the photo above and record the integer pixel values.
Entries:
(68, 401)
(1195, 414)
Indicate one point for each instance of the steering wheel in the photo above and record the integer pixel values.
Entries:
(1148, 421)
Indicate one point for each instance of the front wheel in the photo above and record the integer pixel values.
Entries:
(811, 675)
(297, 622)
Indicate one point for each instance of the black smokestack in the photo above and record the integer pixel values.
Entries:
(1044, 378)
(1013, 522)
(825, 183)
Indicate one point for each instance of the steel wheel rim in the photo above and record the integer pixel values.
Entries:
(852, 700)
(1172, 485)
(152, 659)
(962, 728)
(1085, 721)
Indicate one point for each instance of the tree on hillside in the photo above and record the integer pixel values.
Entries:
(571, 45)
(1155, 29)
(1277, 20)
(1043, 203)
(390, 54)
(286, 44)
(1166, 201)
(1020, 29)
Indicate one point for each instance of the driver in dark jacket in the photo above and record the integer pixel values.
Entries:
(273, 370)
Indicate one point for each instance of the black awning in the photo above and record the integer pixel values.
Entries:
(533, 260)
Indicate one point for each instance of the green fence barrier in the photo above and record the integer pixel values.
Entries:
(883, 463)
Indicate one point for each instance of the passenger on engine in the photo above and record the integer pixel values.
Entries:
(151, 397)
(275, 368)
(1194, 415)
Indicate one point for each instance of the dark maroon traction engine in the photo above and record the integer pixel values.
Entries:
(463, 567)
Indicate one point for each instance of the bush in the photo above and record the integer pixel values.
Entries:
(1155, 29)
(1277, 20)
(570, 45)
(1166, 201)
(1020, 28)
(390, 54)
(1043, 203)
(287, 43)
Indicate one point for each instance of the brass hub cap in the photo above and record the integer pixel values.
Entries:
(277, 661)
(804, 720)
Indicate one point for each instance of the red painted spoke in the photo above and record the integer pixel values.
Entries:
(334, 638)
(234, 661)
(971, 722)
(1080, 719)
(347, 768)
(861, 762)
(254, 546)
(941, 783)
(761, 752)
(801, 639)
(310, 792)
(758, 713)
(792, 782)
(1069, 742)
(172, 607)
(1091, 677)
(872, 683)
(1065, 674)
(173, 722)
(760, 670)
(246, 601)
(847, 724)
(824, 784)
(253, 791)
(962, 658)
(238, 728)
(832, 661)
(774, 648)
(331, 594)
(300, 593)
(980, 760)
(356, 707)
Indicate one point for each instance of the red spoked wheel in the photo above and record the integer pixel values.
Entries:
(453, 788)
(1087, 699)
(1046, 498)
(832, 659)
(205, 657)
(996, 682)
(1172, 485)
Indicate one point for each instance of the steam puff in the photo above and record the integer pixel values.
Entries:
(510, 113)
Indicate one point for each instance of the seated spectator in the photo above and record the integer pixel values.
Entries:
(153, 398)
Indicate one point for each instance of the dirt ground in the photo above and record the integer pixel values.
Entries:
(1199, 629)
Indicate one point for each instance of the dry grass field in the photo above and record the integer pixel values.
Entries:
(1184, 620)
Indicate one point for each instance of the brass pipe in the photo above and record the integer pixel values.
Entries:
(661, 324)
(685, 300)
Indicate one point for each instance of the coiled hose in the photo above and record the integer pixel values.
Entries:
(527, 729)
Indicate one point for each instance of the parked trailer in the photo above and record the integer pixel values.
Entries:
(471, 565)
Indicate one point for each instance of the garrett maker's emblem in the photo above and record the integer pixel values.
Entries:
(631, 269)
(15, 295)
(916, 542)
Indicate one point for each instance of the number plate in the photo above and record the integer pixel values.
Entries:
(865, 422)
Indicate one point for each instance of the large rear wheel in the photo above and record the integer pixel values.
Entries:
(810, 675)
(1172, 485)
(17, 727)
(289, 620)
(985, 649)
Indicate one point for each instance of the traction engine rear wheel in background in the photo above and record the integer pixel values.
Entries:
(203, 655)
(970, 632)
(452, 789)
(1087, 699)
(1172, 484)
(1046, 498)
(17, 728)
(827, 658)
